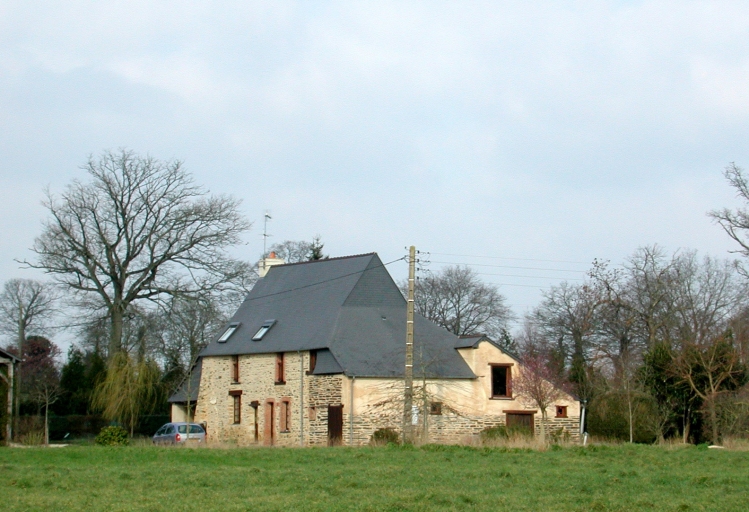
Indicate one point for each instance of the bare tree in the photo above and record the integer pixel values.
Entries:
(186, 327)
(139, 230)
(568, 314)
(647, 293)
(46, 392)
(710, 367)
(534, 385)
(459, 301)
(736, 222)
(707, 295)
(297, 251)
(25, 306)
(615, 340)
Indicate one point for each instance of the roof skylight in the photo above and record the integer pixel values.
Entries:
(263, 330)
(228, 332)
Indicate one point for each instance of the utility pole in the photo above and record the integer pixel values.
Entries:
(409, 373)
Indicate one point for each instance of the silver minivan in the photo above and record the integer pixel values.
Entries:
(173, 433)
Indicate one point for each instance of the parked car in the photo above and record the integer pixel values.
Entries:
(173, 433)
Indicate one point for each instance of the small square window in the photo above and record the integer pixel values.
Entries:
(263, 330)
(435, 408)
(561, 411)
(501, 381)
(228, 332)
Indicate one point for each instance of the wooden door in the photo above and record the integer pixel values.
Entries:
(335, 425)
(520, 421)
(270, 418)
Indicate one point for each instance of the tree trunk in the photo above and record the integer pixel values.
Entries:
(629, 411)
(713, 420)
(115, 336)
(17, 381)
(46, 424)
(543, 426)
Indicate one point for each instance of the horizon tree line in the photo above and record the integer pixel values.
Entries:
(658, 345)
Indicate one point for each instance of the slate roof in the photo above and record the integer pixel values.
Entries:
(7, 355)
(180, 396)
(351, 311)
(473, 340)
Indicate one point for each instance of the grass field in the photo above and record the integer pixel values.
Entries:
(388, 478)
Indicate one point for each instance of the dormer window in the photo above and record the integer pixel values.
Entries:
(263, 330)
(228, 332)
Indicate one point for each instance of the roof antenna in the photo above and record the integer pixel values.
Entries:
(265, 232)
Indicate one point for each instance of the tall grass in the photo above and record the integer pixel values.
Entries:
(431, 477)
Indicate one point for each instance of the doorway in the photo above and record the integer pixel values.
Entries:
(522, 421)
(335, 425)
(270, 420)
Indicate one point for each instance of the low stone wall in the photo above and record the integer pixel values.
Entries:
(563, 429)
(449, 428)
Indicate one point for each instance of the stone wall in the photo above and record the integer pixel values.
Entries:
(264, 403)
(304, 399)
(259, 395)
(323, 390)
(451, 428)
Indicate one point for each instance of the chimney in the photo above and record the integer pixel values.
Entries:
(266, 263)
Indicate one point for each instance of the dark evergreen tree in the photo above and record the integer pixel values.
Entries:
(76, 392)
(315, 249)
(507, 343)
(674, 400)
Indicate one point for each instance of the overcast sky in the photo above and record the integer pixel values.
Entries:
(509, 131)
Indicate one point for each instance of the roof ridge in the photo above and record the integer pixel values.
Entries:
(326, 259)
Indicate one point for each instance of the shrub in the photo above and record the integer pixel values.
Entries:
(494, 433)
(503, 433)
(385, 436)
(607, 417)
(560, 435)
(112, 436)
(32, 438)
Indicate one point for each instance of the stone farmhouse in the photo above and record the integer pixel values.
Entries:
(315, 355)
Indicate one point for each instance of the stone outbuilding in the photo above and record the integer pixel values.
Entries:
(315, 355)
(8, 364)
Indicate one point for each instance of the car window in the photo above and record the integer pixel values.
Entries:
(161, 431)
(170, 430)
(182, 429)
(196, 429)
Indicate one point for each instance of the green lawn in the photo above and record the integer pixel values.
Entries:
(389, 478)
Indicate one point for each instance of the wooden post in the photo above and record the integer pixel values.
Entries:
(9, 424)
(301, 398)
(409, 370)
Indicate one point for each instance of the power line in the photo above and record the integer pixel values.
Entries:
(537, 286)
(510, 266)
(531, 277)
(515, 259)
